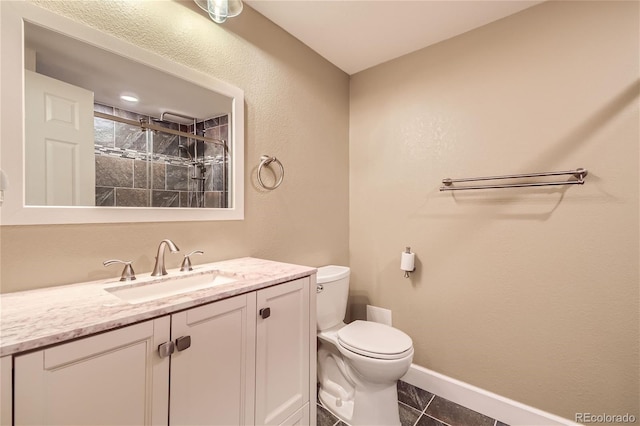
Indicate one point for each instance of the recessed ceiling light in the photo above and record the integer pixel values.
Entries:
(129, 98)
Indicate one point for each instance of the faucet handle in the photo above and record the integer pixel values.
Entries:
(127, 272)
(186, 262)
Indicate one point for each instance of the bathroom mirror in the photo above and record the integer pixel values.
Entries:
(108, 132)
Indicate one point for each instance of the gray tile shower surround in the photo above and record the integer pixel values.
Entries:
(421, 408)
(127, 175)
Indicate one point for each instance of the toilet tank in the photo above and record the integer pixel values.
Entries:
(331, 301)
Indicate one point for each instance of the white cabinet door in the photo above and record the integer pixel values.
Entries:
(59, 143)
(282, 351)
(6, 394)
(114, 378)
(212, 380)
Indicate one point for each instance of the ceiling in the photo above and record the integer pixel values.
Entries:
(357, 34)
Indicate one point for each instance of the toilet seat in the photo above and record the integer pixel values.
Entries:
(374, 340)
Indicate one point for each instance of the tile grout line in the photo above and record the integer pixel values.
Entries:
(433, 396)
(424, 413)
(424, 410)
(438, 420)
(412, 409)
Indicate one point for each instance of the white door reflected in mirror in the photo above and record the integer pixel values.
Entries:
(59, 164)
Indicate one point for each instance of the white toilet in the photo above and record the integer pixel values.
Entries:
(359, 363)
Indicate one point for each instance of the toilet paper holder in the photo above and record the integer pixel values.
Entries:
(407, 261)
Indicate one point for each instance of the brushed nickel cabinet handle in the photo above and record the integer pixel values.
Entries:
(166, 349)
(265, 313)
(183, 343)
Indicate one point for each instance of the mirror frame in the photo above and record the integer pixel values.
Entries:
(14, 211)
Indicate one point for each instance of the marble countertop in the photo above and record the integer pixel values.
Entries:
(37, 318)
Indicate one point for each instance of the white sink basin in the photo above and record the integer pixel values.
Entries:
(148, 291)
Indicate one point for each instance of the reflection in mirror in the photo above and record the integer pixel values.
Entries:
(144, 166)
(104, 130)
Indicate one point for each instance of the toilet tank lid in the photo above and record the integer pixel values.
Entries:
(331, 273)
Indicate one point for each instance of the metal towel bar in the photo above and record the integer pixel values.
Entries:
(579, 174)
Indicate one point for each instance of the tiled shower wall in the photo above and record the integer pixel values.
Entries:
(138, 168)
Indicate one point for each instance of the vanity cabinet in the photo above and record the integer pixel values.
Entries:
(238, 361)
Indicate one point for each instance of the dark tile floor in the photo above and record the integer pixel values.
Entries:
(421, 408)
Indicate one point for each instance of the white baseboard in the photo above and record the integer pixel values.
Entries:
(485, 402)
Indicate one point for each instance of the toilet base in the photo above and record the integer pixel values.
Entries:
(339, 408)
(359, 399)
(369, 407)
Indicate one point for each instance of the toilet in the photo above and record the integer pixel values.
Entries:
(359, 363)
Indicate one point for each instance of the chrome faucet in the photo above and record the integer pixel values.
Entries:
(159, 269)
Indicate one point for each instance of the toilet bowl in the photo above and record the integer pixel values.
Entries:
(359, 363)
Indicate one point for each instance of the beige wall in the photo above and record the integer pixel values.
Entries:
(296, 106)
(529, 293)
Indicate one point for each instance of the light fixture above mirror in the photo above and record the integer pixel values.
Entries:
(220, 10)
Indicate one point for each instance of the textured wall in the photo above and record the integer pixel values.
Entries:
(296, 108)
(530, 293)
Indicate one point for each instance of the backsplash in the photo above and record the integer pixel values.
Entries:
(143, 168)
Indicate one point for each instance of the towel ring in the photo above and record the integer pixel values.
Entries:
(265, 160)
